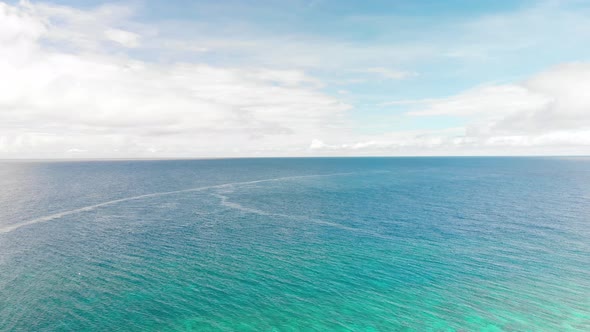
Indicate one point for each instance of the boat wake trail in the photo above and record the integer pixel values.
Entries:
(10, 228)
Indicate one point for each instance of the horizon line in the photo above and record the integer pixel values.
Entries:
(284, 157)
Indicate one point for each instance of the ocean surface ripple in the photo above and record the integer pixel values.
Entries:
(325, 244)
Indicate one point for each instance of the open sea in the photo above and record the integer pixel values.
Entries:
(322, 244)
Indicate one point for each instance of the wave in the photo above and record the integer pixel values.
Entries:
(10, 228)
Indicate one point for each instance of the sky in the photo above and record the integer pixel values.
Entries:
(208, 79)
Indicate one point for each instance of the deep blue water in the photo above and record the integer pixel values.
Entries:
(325, 244)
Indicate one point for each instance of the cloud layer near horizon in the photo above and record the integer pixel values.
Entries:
(86, 100)
(73, 86)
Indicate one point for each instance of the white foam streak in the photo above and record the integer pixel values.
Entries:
(236, 206)
(10, 228)
(232, 205)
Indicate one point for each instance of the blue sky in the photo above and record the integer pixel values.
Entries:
(296, 78)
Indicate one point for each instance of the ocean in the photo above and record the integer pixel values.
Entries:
(296, 244)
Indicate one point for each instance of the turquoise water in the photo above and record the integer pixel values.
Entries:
(334, 244)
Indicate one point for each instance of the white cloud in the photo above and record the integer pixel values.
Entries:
(125, 38)
(390, 73)
(486, 100)
(71, 87)
(549, 113)
(56, 101)
(75, 29)
(554, 100)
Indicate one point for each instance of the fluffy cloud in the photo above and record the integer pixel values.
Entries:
(125, 38)
(548, 113)
(551, 102)
(81, 98)
(96, 83)
(390, 73)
